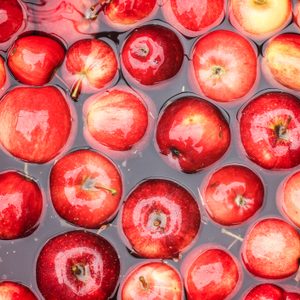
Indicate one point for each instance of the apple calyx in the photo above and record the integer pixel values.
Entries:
(281, 129)
(90, 184)
(76, 89)
(175, 152)
(158, 220)
(81, 272)
(217, 71)
(144, 282)
(260, 2)
(93, 12)
(240, 201)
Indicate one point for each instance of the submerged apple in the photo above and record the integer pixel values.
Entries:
(160, 219)
(265, 292)
(33, 59)
(10, 290)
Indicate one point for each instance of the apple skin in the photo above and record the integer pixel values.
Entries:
(152, 54)
(77, 265)
(270, 130)
(124, 111)
(3, 75)
(280, 57)
(192, 134)
(225, 66)
(33, 59)
(21, 204)
(152, 280)
(85, 188)
(232, 195)
(265, 292)
(193, 17)
(32, 129)
(259, 19)
(291, 296)
(271, 249)
(297, 14)
(10, 290)
(210, 273)
(159, 219)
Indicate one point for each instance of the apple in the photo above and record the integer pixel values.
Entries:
(35, 123)
(297, 14)
(159, 219)
(152, 280)
(271, 249)
(3, 75)
(152, 54)
(123, 110)
(270, 130)
(265, 292)
(232, 195)
(33, 59)
(288, 198)
(90, 65)
(193, 17)
(77, 265)
(225, 65)
(10, 290)
(260, 18)
(192, 134)
(85, 188)
(291, 296)
(280, 60)
(210, 273)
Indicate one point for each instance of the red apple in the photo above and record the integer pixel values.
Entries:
(124, 111)
(3, 76)
(194, 17)
(271, 249)
(86, 188)
(192, 134)
(160, 219)
(33, 59)
(288, 198)
(21, 204)
(225, 65)
(280, 60)
(152, 280)
(210, 273)
(152, 54)
(90, 65)
(35, 123)
(297, 13)
(291, 296)
(11, 19)
(260, 18)
(265, 292)
(10, 290)
(233, 194)
(270, 130)
(77, 265)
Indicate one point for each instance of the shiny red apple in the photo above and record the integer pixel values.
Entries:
(152, 54)
(152, 280)
(271, 249)
(260, 18)
(192, 134)
(265, 292)
(10, 290)
(160, 219)
(225, 65)
(233, 194)
(35, 123)
(3, 75)
(77, 265)
(194, 17)
(291, 296)
(297, 13)
(210, 273)
(270, 130)
(90, 65)
(85, 188)
(33, 59)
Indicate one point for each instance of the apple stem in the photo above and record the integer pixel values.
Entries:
(111, 190)
(226, 232)
(95, 9)
(143, 282)
(260, 2)
(157, 222)
(76, 89)
(78, 270)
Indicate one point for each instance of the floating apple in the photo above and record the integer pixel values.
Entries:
(116, 119)
(160, 219)
(260, 18)
(193, 17)
(233, 194)
(152, 280)
(291, 296)
(152, 54)
(265, 292)
(271, 249)
(10, 290)
(85, 188)
(270, 130)
(35, 123)
(77, 265)
(90, 65)
(192, 134)
(33, 59)
(210, 273)
(225, 65)
(280, 57)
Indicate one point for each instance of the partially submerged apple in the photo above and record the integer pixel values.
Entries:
(10, 290)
